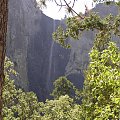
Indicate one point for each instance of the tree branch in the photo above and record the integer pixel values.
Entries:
(73, 9)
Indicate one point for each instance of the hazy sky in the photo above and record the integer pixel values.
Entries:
(53, 11)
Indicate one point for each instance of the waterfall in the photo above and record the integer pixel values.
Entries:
(49, 83)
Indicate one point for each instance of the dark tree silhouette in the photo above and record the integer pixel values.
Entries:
(3, 31)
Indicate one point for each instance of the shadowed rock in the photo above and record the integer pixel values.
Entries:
(37, 58)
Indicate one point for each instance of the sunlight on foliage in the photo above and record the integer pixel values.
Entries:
(101, 93)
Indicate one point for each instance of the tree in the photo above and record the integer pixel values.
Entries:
(20, 105)
(61, 109)
(3, 31)
(17, 104)
(105, 27)
(63, 86)
(101, 92)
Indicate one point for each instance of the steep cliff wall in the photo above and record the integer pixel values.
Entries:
(46, 60)
(37, 58)
(21, 17)
(79, 57)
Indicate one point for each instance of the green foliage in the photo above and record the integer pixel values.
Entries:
(63, 86)
(61, 109)
(101, 93)
(20, 105)
(17, 104)
(105, 27)
(60, 36)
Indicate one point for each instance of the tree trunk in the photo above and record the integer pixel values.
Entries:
(3, 31)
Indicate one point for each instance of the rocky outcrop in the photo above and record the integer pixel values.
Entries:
(37, 58)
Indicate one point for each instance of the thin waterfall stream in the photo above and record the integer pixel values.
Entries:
(50, 61)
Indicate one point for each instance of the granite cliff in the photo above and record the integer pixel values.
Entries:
(37, 58)
(79, 57)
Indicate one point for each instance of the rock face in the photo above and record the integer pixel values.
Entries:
(46, 60)
(37, 58)
(79, 57)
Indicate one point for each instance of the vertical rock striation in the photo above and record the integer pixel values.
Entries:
(46, 60)
(37, 58)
